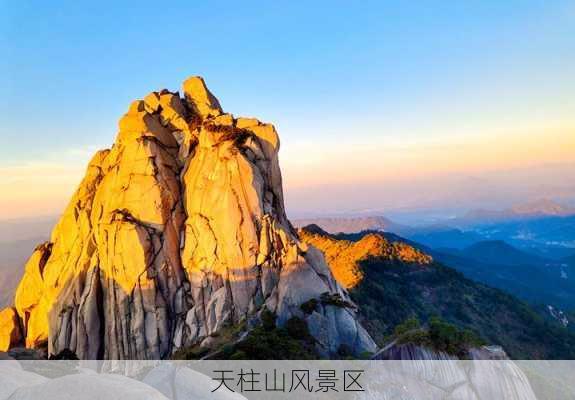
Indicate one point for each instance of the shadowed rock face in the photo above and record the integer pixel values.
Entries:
(175, 232)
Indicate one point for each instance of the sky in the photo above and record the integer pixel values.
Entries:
(380, 105)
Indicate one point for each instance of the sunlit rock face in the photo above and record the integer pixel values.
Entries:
(10, 333)
(344, 257)
(175, 232)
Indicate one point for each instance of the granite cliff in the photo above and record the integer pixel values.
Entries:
(177, 231)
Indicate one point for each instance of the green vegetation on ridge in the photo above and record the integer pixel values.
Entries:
(393, 289)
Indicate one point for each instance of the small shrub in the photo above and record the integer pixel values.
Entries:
(344, 351)
(297, 328)
(309, 306)
(238, 355)
(334, 299)
(65, 354)
(439, 336)
(450, 339)
(276, 344)
(268, 319)
(409, 324)
(418, 337)
(365, 355)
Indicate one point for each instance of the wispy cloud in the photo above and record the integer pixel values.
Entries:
(385, 159)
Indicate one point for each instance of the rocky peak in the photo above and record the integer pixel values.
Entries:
(200, 99)
(176, 231)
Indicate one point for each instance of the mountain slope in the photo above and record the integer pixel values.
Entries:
(530, 277)
(499, 252)
(440, 236)
(550, 236)
(393, 289)
(175, 233)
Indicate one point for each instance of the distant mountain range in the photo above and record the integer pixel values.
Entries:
(499, 252)
(431, 235)
(442, 236)
(534, 209)
(532, 257)
(351, 224)
(541, 227)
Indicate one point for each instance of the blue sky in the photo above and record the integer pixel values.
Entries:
(394, 76)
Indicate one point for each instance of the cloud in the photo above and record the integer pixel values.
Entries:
(384, 159)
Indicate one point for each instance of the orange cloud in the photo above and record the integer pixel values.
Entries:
(311, 164)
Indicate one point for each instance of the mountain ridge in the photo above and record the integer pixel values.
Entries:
(392, 291)
(344, 256)
(500, 252)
